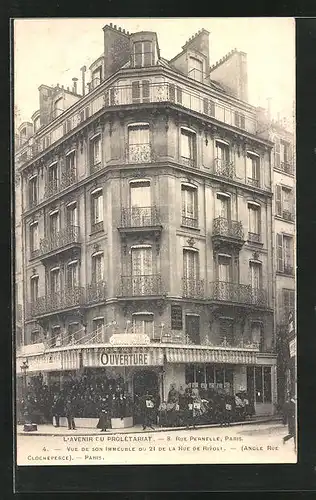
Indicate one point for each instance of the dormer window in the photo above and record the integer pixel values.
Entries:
(143, 54)
(195, 69)
(96, 77)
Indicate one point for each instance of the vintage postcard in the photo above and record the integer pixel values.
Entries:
(155, 273)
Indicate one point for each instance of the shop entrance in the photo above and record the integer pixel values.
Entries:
(143, 380)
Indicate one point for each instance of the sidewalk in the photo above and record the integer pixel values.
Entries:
(50, 430)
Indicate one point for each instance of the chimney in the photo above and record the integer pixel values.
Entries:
(83, 76)
(74, 88)
(115, 42)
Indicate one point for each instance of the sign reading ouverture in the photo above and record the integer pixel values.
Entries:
(130, 359)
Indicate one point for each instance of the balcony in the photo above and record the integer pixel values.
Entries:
(69, 298)
(227, 231)
(193, 288)
(60, 241)
(140, 218)
(288, 269)
(253, 182)
(237, 293)
(188, 162)
(287, 215)
(96, 292)
(287, 168)
(149, 285)
(223, 169)
(139, 153)
(254, 237)
(51, 188)
(68, 178)
(191, 222)
(97, 227)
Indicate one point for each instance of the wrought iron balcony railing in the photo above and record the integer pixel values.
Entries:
(51, 188)
(254, 237)
(287, 168)
(142, 285)
(232, 342)
(140, 217)
(96, 227)
(228, 228)
(68, 178)
(96, 292)
(60, 239)
(139, 153)
(223, 168)
(189, 162)
(253, 182)
(193, 288)
(238, 293)
(57, 301)
(190, 222)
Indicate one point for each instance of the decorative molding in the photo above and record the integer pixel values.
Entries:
(191, 241)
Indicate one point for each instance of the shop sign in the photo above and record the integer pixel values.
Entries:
(130, 359)
(129, 339)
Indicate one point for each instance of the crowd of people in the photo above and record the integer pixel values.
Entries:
(92, 396)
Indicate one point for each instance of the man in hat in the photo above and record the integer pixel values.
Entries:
(148, 410)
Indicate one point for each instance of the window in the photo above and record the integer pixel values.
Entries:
(98, 267)
(254, 222)
(34, 289)
(283, 155)
(142, 271)
(253, 169)
(188, 147)
(144, 324)
(95, 150)
(72, 215)
(240, 120)
(257, 333)
(58, 107)
(226, 330)
(255, 275)
(140, 203)
(143, 54)
(285, 254)
(288, 301)
(284, 202)
(37, 124)
(223, 206)
(96, 77)
(34, 240)
(222, 153)
(196, 69)
(33, 191)
(72, 275)
(35, 337)
(54, 223)
(224, 268)
(140, 91)
(97, 210)
(189, 206)
(191, 269)
(55, 281)
(98, 330)
(175, 93)
(262, 377)
(71, 162)
(53, 175)
(138, 143)
(192, 329)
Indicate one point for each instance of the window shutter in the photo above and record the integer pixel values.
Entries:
(179, 95)
(278, 199)
(146, 90)
(172, 95)
(277, 148)
(280, 260)
(135, 92)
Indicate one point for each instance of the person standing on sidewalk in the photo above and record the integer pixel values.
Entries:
(70, 409)
(291, 419)
(148, 410)
(57, 409)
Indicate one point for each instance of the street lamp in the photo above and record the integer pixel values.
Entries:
(24, 368)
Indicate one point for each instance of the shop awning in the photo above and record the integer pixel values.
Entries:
(209, 355)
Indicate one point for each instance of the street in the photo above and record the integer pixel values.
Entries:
(254, 443)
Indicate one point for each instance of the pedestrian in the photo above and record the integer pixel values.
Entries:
(291, 419)
(229, 408)
(104, 414)
(198, 407)
(173, 405)
(57, 409)
(148, 410)
(182, 406)
(189, 408)
(70, 408)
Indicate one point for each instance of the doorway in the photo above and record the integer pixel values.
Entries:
(143, 380)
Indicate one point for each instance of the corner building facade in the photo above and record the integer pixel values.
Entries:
(147, 224)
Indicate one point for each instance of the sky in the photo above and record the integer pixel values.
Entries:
(50, 51)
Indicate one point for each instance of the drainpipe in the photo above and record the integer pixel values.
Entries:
(83, 79)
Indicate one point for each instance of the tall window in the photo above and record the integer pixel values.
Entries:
(144, 324)
(262, 385)
(140, 203)
(95, 151)
(142, 271)
(225, 268)
(196, 69)
(191, 269)
(257, 332)
(98, 267)
(55, 281)
(222, 153)
(34, 289)
(192, 329)
(175, 93)
(96, 77)
(54, 223)
(284, 202)
(140, 91)
(138, 143)
(71, 163)
(189, 206)
(254, 222)
(72, 214)
(143, 54)
(33, 191)
(240, 121)
(283, 156)
(188, 147)
(285, 254)
(226, 330)
(288, 300)
(255, 275)
(223, 206)
(98, 330)
(97, 210)
(72, 275)
(253, 169)
(34, 240)
(53, 174)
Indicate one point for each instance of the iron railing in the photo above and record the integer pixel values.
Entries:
(57, 301)
(68, 178)
(51, 188)
(60, 239)
(228, 228)
(193, 288)
(96, 292)
(141, 285)
(190, 222)
(238, 293)
(223, 168)
(287, 168)
(96, 227)
(253, 182)
(188, 162)
(140, 217)
(254, 237)
(139, 153)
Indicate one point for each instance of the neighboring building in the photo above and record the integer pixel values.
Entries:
(147, 224)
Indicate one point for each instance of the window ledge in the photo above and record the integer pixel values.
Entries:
(98, 231)
(184, 226)
(287, 275)
(279, 217)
